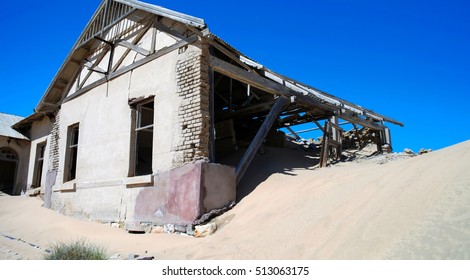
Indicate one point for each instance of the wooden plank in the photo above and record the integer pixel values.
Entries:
(297, 137)
(344, 103)
(137, 38)
(160, 26)
(259, 137)
(334, 143)
(360, 121)
(231, 55)
(247, 110)
(325, 146)
(133, 47)
(212, 117)
(319, 126)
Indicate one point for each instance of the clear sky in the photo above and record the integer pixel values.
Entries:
(409, 60)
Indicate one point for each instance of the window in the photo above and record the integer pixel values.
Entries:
(70, 170)
(143, 139)
(7, 154)
(37, 176)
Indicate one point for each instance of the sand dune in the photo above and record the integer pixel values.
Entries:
(415, 208)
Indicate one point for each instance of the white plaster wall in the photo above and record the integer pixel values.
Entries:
(97, 204)
(103, 114)
(164, 40)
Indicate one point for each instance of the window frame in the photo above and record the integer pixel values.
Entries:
(71, 156)
(138, 128)
(39, 164)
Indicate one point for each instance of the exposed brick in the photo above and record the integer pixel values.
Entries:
(193, 87)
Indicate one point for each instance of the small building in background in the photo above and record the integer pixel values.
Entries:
(14, 156)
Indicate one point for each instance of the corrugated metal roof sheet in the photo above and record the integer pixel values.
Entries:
(6, 121)
(154, 9)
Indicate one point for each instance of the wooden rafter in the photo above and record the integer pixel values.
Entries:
(137, 38)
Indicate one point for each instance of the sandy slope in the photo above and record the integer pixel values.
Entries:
(417, 208)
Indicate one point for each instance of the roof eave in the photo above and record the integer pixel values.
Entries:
(154, 9)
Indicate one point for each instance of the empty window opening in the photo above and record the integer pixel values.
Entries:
(37, 176)
(144, 139)
(70, 171)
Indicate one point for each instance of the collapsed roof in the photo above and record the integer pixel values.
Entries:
(308, 103)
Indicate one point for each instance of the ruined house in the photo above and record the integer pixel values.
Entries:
(134, 125)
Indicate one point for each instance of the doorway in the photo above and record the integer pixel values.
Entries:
(8, 170)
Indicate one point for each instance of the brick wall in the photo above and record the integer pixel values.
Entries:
(192, 77)
(54, 145)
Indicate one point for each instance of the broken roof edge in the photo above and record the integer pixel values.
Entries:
(340, 104)
(161, 11)
(302, 87)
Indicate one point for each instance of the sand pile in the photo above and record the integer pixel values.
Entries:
(415, 208)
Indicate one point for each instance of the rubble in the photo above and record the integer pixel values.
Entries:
(357, 139)
(205, 230)
(424, 151)
(408, 151)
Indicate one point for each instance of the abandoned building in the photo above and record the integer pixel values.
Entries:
(135, 124)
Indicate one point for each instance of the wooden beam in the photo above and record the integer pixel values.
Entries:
(297, 137)
(137, 38)
(231, 55)
(246, 111)
(260, 135)
(133, 47)
(360, 121)
(212, 115)
(319, 126)
(94, 68)
(265, 84)
(160, 26)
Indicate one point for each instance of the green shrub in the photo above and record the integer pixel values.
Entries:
(76, 250)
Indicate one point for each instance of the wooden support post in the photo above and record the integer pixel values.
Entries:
(325, 145)
(336, 136)
(387, 136)
(260, 135)
(385, 139)
(212, 115)
(297, 137)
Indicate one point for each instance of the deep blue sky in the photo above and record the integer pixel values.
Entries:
(409, 60)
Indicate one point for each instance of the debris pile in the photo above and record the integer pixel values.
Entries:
(357, 139)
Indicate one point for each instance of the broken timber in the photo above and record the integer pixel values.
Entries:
(260, 135)
(331, 139)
